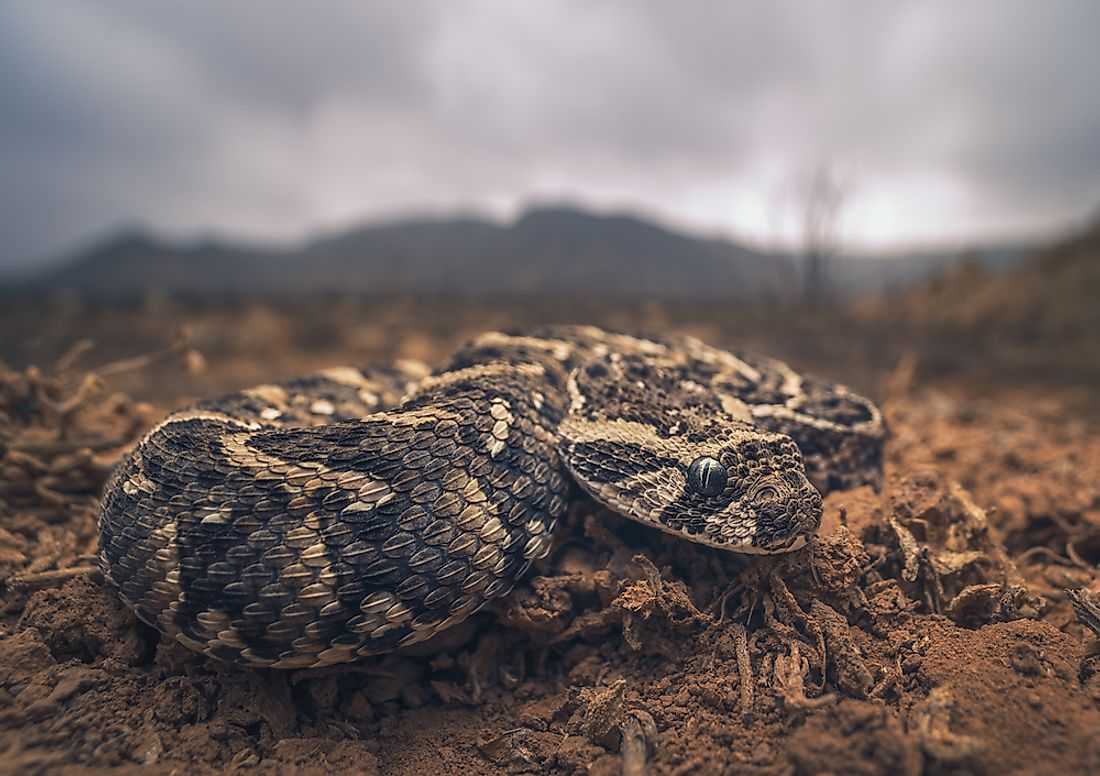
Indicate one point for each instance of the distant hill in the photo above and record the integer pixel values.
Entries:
(1052, 295)
(897, 272)
(550, 251)
(547, 252)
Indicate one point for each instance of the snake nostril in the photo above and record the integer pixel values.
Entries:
(767, 493)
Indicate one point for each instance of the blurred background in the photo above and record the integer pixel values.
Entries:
(868, 189)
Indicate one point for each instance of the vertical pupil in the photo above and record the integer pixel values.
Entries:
(707, 476)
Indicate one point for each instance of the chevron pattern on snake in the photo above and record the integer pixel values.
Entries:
(356, 511)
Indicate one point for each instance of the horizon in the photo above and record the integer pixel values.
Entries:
(43, 267)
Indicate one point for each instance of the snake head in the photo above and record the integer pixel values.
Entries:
(754, 496)
(650, 444)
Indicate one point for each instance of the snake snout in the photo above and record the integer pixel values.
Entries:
(786, 519)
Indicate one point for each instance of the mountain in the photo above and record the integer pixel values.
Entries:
(549, 251)
(546, 252)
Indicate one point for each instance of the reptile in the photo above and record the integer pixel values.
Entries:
(355, 511)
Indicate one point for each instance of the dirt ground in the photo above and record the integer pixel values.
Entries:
(926, 630)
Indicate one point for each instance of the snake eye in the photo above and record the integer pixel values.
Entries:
(706, 476)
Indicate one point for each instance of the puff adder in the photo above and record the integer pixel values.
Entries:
(356, 511)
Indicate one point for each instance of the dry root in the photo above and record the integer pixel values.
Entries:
(61, 434)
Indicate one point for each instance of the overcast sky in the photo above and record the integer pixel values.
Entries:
(945, 121)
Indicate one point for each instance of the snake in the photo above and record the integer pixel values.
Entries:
(357, 511)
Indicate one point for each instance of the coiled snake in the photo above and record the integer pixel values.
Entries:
(355, 511)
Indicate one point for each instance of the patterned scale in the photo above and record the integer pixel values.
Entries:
(839, 433)
(307, 546)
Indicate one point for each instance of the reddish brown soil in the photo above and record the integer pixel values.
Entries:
(926, 631)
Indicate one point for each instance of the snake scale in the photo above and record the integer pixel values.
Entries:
(356, 511)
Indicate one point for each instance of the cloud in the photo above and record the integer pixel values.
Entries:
(272, 120)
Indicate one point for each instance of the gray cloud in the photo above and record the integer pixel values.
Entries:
(273, 120)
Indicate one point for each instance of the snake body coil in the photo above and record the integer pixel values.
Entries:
(352, 512)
